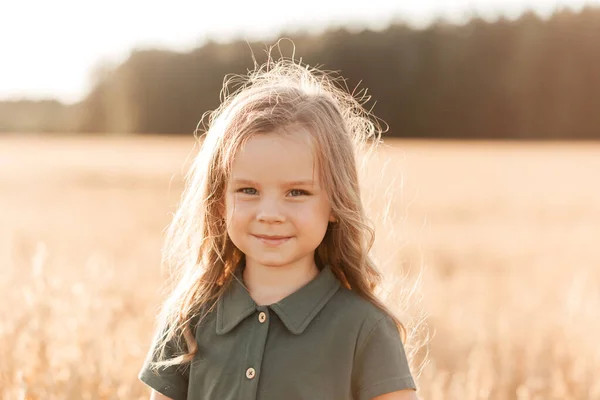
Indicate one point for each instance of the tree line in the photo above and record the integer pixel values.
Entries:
(528, 78)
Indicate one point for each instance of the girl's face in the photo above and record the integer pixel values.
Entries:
(276, 210)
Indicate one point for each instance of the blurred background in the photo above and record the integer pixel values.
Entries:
(485, 194)
(451, 69)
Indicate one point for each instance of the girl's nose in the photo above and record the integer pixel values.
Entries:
(270, 212)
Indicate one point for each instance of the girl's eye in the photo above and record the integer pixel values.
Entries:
(297, 192)
(247, 190)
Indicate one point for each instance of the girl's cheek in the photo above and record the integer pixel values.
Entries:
(242, 209)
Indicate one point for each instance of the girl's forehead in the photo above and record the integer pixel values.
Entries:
(276, 157)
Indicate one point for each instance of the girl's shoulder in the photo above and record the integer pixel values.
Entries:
(351, 308)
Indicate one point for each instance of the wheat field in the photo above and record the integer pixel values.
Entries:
(499, 242)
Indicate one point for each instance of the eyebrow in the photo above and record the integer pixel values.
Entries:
(307, 182)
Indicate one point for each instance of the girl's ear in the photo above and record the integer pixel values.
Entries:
(221, 210)
(332, 218)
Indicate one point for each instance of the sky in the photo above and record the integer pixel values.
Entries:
(48, 49)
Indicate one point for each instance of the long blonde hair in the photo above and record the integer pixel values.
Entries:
(275, 95)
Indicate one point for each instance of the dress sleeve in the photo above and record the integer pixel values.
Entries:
(381, 365)
(171, 381)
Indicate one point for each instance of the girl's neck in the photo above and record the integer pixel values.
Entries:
(268, 285)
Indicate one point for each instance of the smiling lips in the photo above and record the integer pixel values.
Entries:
(272, 240)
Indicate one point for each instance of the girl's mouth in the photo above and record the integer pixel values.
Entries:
(272, 240)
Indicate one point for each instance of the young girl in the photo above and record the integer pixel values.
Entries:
(275, 297)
